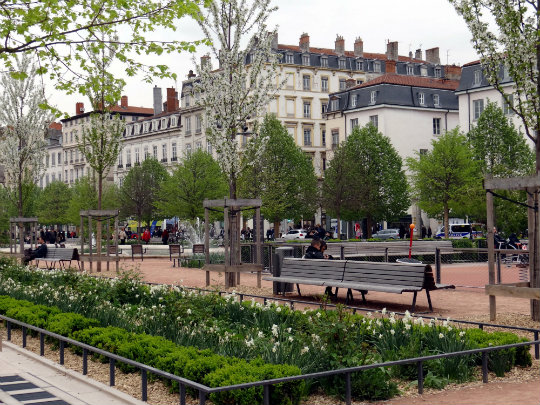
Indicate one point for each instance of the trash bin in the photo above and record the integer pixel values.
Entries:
(279, 254)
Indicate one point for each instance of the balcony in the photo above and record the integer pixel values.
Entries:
(164, 160)
(174, 159)
(120, 166)
(335, 145)
(128, 165)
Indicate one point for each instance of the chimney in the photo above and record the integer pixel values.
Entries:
(172, 99)
(304, 42)
(190, 74)
(452, 72)
(340, 45)
(410, 54)
(158, 100)
(79, 108)
(418, 54)
(432, 56)
(206, 62)
(350, 83)
(358, 47)
(392, 50)
(274, 36)
(390, 66)
(124, 102)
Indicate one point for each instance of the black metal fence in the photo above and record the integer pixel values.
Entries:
(204, 390)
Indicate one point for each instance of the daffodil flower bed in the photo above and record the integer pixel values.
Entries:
(271, 334)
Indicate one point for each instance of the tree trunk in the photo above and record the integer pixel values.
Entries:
(534, 261)
(368, 225)
(98, 225)
(20, 209)
(234, 232)
(276, 228)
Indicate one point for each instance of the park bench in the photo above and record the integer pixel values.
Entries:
(361, 276)
(175, 253)
(60, 255)
(137, 250)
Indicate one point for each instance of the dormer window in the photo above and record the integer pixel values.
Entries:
(163, 123)
(342, 63)
(359, 65)
(187, 100)
(436, 100)
(373, 97)
(146, 126)
(423, 71)
(324, 61)
(173, 121)
(410, 70)
(305, 60)
(438, 72)
(477, 77)
(377, 67)
(334, 104)
(289, 58)
(353, 101)
(421, 99)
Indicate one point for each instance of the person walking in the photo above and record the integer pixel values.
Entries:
(146, 236)
(165, 237)
(122, 236)
(429, 233)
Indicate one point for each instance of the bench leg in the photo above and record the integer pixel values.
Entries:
(349, 298)
(429, 300)
(297, 289)
(363, 296)
(413, 302)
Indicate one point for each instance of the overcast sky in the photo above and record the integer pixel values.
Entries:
(413, 23)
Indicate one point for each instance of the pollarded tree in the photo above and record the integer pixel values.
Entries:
(24, 126)
(243, 84)
(196, 178)
(52, 206)
(444, 178)
(277, 171)
(378, 188)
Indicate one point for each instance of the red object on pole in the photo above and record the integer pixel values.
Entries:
(411, 229)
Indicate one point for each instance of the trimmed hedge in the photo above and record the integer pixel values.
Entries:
(202, 366)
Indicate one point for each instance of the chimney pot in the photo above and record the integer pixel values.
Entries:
(304, 42)
(124, 102)
(158, 102)
(172, 99)
(358, 47)
(79, 108)
(191, 74)
(392, 50)
(274, 36)
(432, 56)
(339, 47)
(418, 54)
(206, 62)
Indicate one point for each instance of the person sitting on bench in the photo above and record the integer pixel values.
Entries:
(314, 250)
(41, 251)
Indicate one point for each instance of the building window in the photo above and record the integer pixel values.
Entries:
(146, 126)
(353, 101)
(342, 84)
(59, 158)
(423, 71)
(128, 158)
(53, 177)
(65, 157)
(359, 65)
(324, 84)
(66, 176)
(305, 60)
(188, 149)
(173, 122)
(209, 148)
(324, 107)
(335, 105)
(154, 151)
(146, 153)
(120, 160)
(188, 125)
(438, 72)
(421, 99)
(423, 152)
(436, 100)
(335, 138)
(307, 137)
(136, 156)
(354, 123)
(306, 80)
(324, 61)
(377, 67)
(289, 58)
(164, 152)
(477, 77)
(436, 126)
(53, 159)
(323, 137)
(410, 70)
(187, 100)
(507, 106)
(71, 156)
(373, 97)
(478, 108)
(199, 145)
(307, 109)
(71, 175)
(47, 160)
(198, 124)
(289, 83)
(342, 63)
(174, 155)
(374, 120)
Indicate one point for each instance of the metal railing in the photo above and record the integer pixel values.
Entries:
(204, 390)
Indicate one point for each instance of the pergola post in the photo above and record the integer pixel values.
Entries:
(491, 256)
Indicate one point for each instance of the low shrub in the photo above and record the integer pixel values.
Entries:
(67, 323)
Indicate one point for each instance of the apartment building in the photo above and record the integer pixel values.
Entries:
(53, 158)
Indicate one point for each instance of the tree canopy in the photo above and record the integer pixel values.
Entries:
(53, 203)
(276, 170)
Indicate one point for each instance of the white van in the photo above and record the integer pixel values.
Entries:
(456, 231)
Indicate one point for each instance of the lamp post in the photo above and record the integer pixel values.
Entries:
(411, 231)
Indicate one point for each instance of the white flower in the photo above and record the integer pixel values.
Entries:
(407, 326)
(260, 334)
(291, 338)
(250, 342)
(304, 350)
(278, 309)
(441, 336)
(289, 330)
(380, 336)
(462, 333)
(274, 349)
(383, 311)
(392, 331)
(188, 311)
(318, 315)
(275, 330)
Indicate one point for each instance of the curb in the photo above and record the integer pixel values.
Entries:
(128, 399)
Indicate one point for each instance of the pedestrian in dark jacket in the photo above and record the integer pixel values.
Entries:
(165, 237)
(314, 250)
(40, 251)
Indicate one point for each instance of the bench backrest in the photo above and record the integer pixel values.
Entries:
(61, 253)
(176, 249)
(198, 248)
(383, 273)
(313, 268)
(136, 249)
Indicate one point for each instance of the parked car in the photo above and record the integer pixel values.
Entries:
(392, 233)
(295, 234)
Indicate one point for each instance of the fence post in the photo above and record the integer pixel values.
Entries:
(85, 362)
(498, 258)
(342, 252)
(266, 394)
(202, 398)
(348, 388)
(182, 394)
(62, 344)
(24, 336)
(484, 367)
(420, 377)
(536, 347)
(8, 330)
(144, 385)
(111, 372)
(386, 254)
(41, 344)
(438, 265)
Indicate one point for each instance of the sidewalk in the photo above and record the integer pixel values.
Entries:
(26, 378)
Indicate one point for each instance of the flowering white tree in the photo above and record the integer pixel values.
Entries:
(24, 127)
(512, 48)
(244, 83)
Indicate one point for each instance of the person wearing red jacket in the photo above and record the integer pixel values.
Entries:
(146, 236)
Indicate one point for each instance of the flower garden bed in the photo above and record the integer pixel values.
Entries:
(166, 327)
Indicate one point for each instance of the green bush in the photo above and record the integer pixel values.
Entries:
(373, 384)
(36, 315)
(66, 324)
(243, 372)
